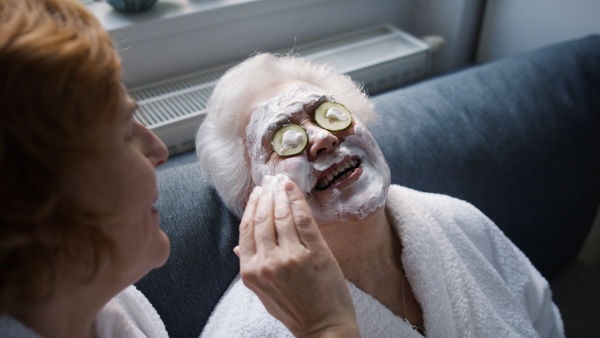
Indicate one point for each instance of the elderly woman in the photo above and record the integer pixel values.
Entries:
(416, 263)
(77, 172)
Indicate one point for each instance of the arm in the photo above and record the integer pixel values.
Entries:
(286, 262)
(519, 274)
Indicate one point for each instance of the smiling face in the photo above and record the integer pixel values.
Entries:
(121, 182)
(343, 174)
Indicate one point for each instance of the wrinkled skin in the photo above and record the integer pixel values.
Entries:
(286, 262)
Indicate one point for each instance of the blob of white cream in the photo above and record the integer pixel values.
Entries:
(292, 139)
(355, 200)
(334, 113)
(271, 183)
(320, 134)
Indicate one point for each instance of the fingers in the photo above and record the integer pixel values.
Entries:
(307, 228)
(247, 243)
(264, 225)
(277, 214)
(284, 222)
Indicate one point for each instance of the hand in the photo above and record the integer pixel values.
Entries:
(286, 262)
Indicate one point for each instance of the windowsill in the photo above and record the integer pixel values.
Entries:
(173, 16)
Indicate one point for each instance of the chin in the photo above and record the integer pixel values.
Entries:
(163, 250)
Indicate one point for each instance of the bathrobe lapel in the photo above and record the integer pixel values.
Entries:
(451, 259)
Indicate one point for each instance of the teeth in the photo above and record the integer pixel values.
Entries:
(334, 173)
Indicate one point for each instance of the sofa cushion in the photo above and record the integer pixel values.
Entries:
(518, 138)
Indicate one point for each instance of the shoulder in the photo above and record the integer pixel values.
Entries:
(437, 203)
(240, 313)
(129, 314)
(12, 328)
(459, 225)
(452, 215)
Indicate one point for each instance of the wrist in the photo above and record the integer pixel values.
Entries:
(345, 328)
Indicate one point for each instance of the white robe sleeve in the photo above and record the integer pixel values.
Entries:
(523, 279)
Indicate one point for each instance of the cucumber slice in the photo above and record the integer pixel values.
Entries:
(290, 140)
(333, 116)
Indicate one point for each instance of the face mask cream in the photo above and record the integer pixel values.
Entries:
(354, 191)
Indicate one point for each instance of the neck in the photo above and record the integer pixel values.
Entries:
(57, 317)
(367, 250)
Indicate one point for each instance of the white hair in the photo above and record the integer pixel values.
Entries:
(220, 138)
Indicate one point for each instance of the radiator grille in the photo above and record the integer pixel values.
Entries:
(361, 55)
(173, 108)
(176, 98)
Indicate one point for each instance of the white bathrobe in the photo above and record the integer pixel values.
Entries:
(468, 277)
(127, 315)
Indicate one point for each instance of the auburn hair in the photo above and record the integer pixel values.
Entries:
(59, 85)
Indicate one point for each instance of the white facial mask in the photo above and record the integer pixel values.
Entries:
(271, 115)
(363, 196)
(356, 200)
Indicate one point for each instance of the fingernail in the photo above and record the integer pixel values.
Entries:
(281, 179)
(290, 187)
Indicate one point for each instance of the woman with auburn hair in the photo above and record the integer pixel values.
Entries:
(77, 171)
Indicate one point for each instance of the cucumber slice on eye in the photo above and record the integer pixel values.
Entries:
(290, 140)
(333, 116)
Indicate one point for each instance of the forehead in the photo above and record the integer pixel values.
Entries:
(278, 102)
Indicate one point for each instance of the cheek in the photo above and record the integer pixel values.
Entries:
(260, 170)
(363, 137)
(299, 170)
(272, 167)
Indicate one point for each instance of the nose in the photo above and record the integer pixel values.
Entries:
(320, 142)
(152, 147)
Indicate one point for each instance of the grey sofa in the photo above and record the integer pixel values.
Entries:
(518, 138)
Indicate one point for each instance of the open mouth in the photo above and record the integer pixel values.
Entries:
(338, 174)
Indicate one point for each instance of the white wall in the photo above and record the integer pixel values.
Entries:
(218, 36)
(457, 21)
(181, 36)
(515, 26)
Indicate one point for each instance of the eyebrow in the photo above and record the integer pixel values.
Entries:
(265, 138)
(311, 109)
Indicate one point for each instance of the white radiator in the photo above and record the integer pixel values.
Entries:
(381, 58)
